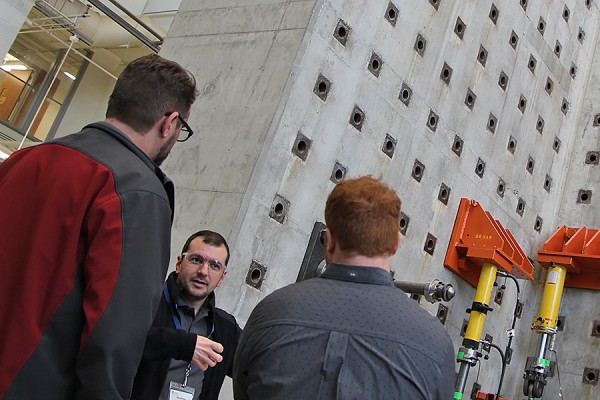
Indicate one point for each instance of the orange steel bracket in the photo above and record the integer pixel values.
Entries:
(578, 249)
(478, 238)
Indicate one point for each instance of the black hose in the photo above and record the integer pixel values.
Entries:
(503, 364)
(514, 321)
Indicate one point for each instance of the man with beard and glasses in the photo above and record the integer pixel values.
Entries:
(191, 341)
(85, 242)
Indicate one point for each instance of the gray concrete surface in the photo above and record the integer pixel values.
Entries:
(257, 63)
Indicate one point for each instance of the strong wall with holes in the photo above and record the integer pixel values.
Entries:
(493, 100)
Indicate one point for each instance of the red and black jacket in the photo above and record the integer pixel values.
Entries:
(84, 248)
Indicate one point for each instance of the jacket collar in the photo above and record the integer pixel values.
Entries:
(357, 274)
(117, 134)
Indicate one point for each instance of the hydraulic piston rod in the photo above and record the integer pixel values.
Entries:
(537, 367)
(468, 354)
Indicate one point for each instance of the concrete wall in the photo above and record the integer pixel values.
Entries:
(257, 66)
(13, 15)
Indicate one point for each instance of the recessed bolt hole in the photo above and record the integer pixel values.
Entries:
(301, 146)
(469, 99)
(430, 247)
(591, 376)
(405, 94)
(549, 85)
(322, 87)
(389, 145)
(339, 174)
(584, 197)
(341, 32)
(255, 275)
(444, 194)
(597, 329)
(418, 171)
(432, 121)
(392, 14)
(420, 45)
(357, 118)
(402, 223)
(375, 64)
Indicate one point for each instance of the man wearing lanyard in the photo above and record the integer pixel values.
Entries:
(191, 344)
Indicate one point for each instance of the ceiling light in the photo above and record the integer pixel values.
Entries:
(3, 155)
(69, 75)
(15, 67)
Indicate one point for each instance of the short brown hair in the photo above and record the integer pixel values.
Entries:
(149, 87)
(209, 237)
(364, 216)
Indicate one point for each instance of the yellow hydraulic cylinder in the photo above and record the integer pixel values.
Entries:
(482, 295)
(553, 290)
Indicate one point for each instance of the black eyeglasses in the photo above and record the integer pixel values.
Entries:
(184, 127)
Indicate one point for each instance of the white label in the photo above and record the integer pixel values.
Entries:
(179, 392)
(552, 277)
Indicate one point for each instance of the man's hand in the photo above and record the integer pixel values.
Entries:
(207, 353)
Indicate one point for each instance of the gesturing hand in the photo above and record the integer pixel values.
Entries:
(207, 353)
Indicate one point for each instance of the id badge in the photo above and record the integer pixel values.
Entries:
(179, 392)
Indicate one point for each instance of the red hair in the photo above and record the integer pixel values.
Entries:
(364, 216)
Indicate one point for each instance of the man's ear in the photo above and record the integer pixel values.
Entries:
(397, 246)
(330, 242)
(178, 264)
(169, 125)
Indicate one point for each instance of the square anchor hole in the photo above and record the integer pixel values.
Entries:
(503, 80)
(391, 14)
(322, 87)
(256, 274)
(430, 242)
(480, 168)
(338, 173)
(494, 13)
(341, 32)
(457, 145)
(404, 221)
(375, 64)
(584, 196)
(520, 207)
(592, 157)
(432, 120)
(420, 45)
(389, 145)
(482, 55)
(418, 170)
(500, 188)
(301, 146)
(470, 99)
(405, 94)
(446, 74)
(444, 193)
(460, 28)
(492, 122)
(357, 118)
(442, 313)
(279, 208)
(590, 376)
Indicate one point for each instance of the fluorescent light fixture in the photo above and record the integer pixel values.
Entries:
(3, 155)
(70, 76)
(15, 67)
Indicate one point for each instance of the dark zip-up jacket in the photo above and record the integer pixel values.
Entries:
(84, 247)
(165, 342)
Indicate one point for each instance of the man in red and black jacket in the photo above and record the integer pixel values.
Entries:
(85, 239)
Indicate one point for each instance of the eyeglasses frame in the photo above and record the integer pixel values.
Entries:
(185, 127)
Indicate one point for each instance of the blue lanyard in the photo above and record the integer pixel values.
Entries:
(174, 313)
